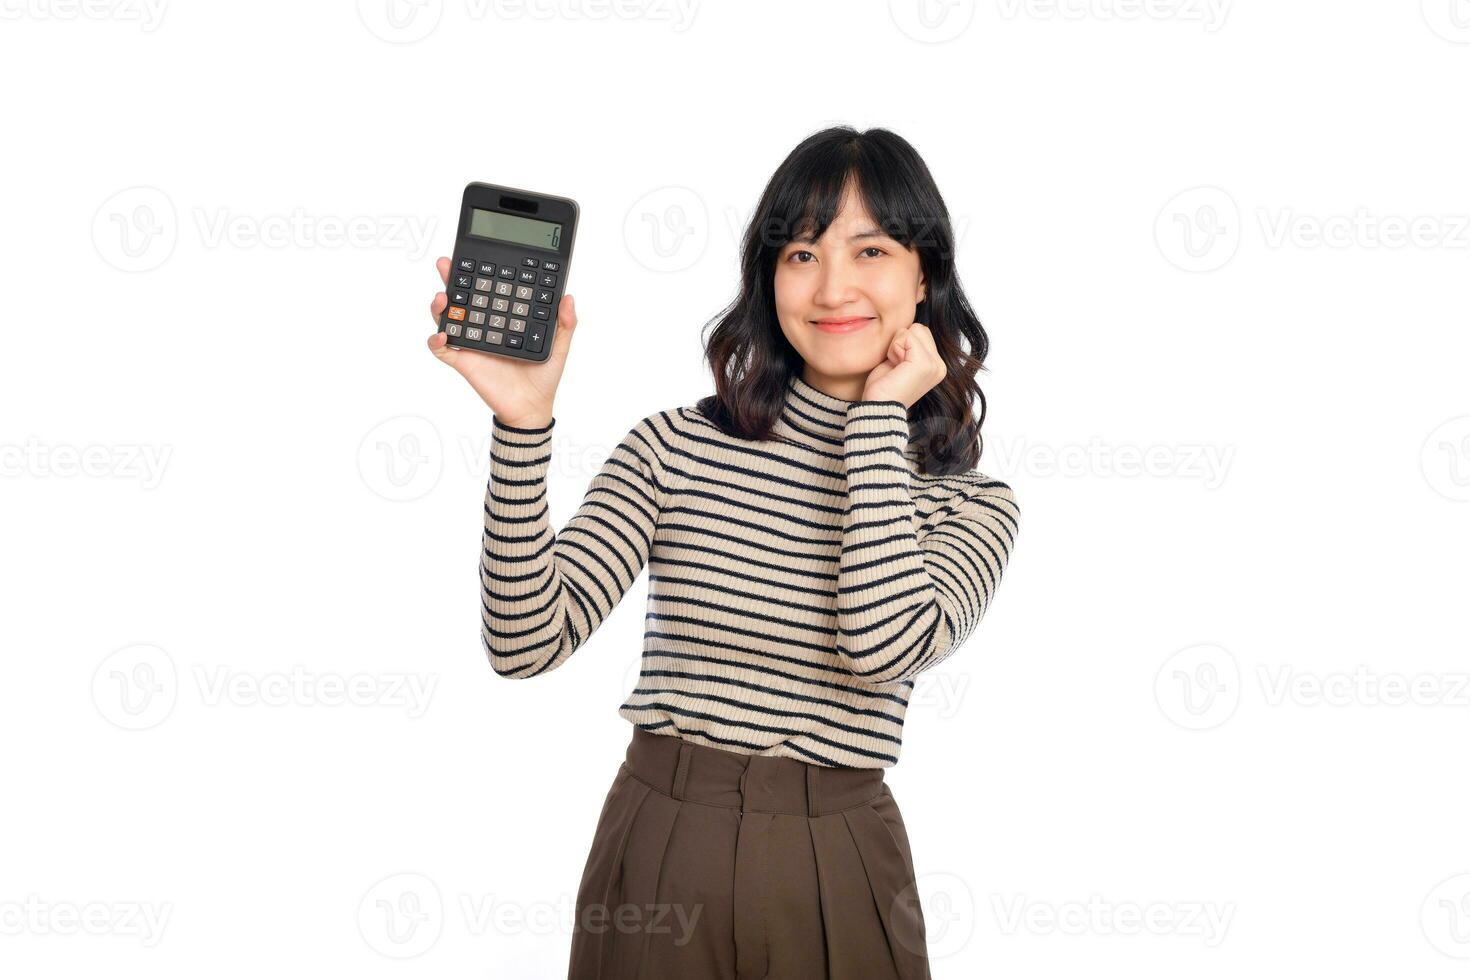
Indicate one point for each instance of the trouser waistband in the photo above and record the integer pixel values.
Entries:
(750, 783)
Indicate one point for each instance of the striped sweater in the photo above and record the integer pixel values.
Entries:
(797, 585)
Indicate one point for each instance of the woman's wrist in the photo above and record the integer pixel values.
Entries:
(536, 423)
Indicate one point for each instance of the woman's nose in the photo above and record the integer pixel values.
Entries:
(836, 287)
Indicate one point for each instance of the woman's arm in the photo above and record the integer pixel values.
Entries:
(545, 593)
(904, 603)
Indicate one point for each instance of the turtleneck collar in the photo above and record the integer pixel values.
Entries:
(810, 417)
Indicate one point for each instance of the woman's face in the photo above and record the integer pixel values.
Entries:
(841, 298)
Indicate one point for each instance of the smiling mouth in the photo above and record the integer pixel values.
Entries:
(842, 324)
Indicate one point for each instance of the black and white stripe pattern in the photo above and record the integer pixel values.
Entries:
(797, 585)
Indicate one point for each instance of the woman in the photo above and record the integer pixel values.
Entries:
(816, 535)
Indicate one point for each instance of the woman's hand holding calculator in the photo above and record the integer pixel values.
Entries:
(519, 392)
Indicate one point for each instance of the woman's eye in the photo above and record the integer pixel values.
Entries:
(796, 256)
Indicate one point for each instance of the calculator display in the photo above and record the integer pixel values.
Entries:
(513, 228)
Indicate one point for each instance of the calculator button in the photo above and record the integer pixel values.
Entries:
(462, 281)
(526, 275)
(548, 266)
(507, 272)
(497, 322)
(517, 326)
(481, 300)
(486, 268)
(494, 337)
(471, 333)
(521, 309)
(547, 280)
(460, 297)
(541, 313)
(529, 262)
(543, 296)
(514, 340)
(500, 304)
(465, 265)
(454, 329)
(535, 340)
(456, 313)
(503, 289)
(524, 292)
(476, 317)
(483, 284)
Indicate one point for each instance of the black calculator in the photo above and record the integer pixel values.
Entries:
(509, 270)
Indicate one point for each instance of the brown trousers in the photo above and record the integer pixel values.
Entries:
(715, 865)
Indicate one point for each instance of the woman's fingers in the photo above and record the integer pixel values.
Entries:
(438, 340)
(899, 349)
(927, 351)
(566, 324)
(437, 306)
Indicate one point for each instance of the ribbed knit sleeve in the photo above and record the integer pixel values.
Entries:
(904, 604)
(545, 593)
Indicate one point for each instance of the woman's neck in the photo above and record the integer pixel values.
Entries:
(847, 388)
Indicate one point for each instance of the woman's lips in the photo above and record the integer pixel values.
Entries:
(845, 324)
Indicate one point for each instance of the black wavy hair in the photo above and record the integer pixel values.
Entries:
(749, 356)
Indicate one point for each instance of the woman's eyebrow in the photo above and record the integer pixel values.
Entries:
(869, 233)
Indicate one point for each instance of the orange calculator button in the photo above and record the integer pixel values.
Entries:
(456, 313)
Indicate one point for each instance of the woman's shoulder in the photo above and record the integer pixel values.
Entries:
(667, 428)
(675, 418)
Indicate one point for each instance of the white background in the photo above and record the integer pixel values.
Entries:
(1222, 694)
